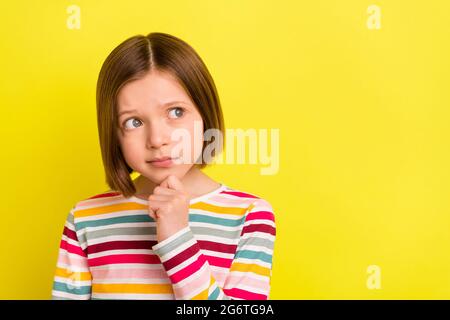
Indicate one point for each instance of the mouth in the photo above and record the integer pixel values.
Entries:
(163, 162)
(161, 159)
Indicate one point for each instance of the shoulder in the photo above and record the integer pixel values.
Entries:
(102, 197)
(259, 213)
(253, 202)
(100, 203)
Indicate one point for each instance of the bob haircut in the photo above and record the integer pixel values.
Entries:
(131, 60)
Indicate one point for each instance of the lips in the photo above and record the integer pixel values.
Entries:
(164, 162)
(160, 159)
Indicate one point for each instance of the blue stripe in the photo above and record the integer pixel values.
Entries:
(109, 221)
(214, 294)
(248, 254)
(194, 217)
(59, 286)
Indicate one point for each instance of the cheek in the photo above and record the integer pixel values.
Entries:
(130, 148)
(196, 137)
(190, 140)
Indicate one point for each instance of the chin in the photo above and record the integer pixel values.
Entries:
(161, 175)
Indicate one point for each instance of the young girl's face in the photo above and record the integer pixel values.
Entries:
(150, 109)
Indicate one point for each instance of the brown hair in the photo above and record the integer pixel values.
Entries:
(131, 60)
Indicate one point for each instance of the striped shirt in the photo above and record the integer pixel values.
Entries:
(108, 250)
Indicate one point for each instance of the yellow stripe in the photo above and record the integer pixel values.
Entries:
(205, 293)
(251, 207)
(79, 213)
(217, 209)
(64, 273)
(109, 209)
(243, 267)
(131, 288)
(202, 295)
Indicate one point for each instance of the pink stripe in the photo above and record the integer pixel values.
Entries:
(65, 261)
(244, 294)
(234, 280)
(71, 248)
(188, 270)
(260, 215)
(124, 258)
(220, 277)
(135, 273)
(231, 201)
(195, 284)
(97, 201)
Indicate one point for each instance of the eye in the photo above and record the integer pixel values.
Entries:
(177, 112)
(132, 123)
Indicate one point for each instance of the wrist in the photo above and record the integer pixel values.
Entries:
(163, 235)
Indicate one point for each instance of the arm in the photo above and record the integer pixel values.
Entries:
(72, 278)
(250, 271)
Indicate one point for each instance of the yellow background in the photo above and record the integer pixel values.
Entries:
(364, 132)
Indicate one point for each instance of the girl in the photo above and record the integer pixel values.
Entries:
(173, 232)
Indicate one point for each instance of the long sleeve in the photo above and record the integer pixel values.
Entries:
(249, 277)
(72, 278)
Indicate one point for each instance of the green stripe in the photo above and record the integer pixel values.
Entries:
(175, 243)
(122, 231)
(259, 242)
(151, 230)
(233, 235)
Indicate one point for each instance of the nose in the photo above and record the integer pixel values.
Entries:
(158, 135)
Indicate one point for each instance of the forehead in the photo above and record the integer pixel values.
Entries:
(155, 88)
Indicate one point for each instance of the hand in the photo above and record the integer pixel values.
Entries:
(169, 207)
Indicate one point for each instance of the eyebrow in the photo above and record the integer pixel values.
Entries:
(163, 105)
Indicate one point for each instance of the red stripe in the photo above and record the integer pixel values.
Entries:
(219, 261)
(70, 234)
(120, 245)
(240, 194)
(244, 294)
(188, 270)
(71, 248)
(218, 247)
(105, 195)
(125, 258)
(266, 215)
(258, 228)
(181, 257)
